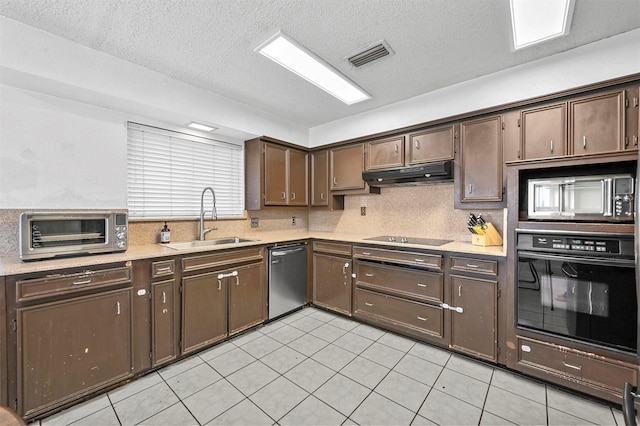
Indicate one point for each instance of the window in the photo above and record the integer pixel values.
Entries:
(167, 172)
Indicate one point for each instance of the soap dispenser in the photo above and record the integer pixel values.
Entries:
(165, 234)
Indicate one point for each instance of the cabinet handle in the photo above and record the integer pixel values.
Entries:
(551, 146)
(584, 142)
(284, 195)
(396, 147)
(471, 265)
(419, 260)
(219, 284)
(344, 268)
(421, 318)
(417, 144)
(368, 304)
(369, 275)
(164, 297)
(470, 188)
(163, 269)
(366, 253)
(322, 195)
(335, 180)
(421, 285)
(293, 196)
(81, 282)
(237, 280)
(117, 308)
(459, 290)
(575, 367)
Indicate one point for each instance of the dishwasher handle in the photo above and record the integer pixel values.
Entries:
(278, 252)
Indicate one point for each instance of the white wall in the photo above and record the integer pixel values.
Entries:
(603, 60)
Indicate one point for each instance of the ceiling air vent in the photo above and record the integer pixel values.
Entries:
(370, 54)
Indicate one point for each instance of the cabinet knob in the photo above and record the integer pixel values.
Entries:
(396, 147)
(284, 195)
(417, 144)
(551, 143)
(335, 180)
(322, 195)
(293, 196)
(344, 268)
(584, 142)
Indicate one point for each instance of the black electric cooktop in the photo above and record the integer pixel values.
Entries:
(410, 240)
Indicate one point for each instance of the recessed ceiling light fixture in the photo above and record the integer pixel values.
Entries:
(199, 126)
(535, 21)
(290, 54)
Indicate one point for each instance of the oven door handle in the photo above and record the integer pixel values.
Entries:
(577, 259)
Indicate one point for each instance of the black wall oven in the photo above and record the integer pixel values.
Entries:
(578, 286)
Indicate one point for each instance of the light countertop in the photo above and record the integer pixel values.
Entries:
(13, 265)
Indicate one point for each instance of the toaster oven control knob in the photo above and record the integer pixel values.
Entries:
(120, 235)
(120, 244)
(627, 198)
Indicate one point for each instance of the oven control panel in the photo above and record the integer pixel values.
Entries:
(577, 244)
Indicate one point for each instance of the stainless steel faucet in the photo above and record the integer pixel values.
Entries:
(214, 213)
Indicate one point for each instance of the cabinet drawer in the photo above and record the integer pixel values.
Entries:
(413, 315)
(575, 365)
(334, 248)
(403, 281)
(470, 264)
(402, 257)
(221, 258)
(63, 284)
(162, 268)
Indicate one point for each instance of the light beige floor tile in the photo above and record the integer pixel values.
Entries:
(404, 390)
(177, 415)
(193, 380)
(212, 401)
(365, 372)
(342, 393)
(78, 412)
(444, 409)
(382, 354)
(279, 397)
(515, 408)
(145, 404)
(378, 410)
(309, 375)
(246, 413)
(312, 411)
(252, 378)
(283, 359)
(462, 387)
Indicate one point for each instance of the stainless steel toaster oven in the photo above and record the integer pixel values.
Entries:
(46, 235)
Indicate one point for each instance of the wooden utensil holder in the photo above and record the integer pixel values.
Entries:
(491, 237)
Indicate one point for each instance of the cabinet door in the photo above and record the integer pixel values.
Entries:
(481, 155)
(544, 131)
(246, 297)
(163, 322)
(204, 310)
(431, 145)
(70, 348)
(275, 175)
(320, 179)
(597, 123)
(347, 164)
(385, 153)
(474, 330)
(332, 282)
(298, 178)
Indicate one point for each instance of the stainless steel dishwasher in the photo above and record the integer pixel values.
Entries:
(287, 278)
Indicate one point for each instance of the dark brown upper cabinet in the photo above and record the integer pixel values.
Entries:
(346, 164)
(320, 195)
(479, 175)
(275, 175)
(597, 123)
(544, 131)
(435, 144)
(385, 153)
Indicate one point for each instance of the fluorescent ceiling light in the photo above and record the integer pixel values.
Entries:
(534, 21)
(299, 60)
(199, 126)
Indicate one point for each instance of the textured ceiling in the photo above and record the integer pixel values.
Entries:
(210, 44)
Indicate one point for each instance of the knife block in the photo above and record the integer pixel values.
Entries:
(491, 237)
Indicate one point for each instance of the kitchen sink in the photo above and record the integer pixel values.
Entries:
(206, 243)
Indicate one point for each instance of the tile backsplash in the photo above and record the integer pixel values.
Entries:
(415, 211)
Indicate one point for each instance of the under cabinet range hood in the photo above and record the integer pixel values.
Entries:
(407, 176)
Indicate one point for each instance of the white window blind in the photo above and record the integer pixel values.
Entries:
(167, 172)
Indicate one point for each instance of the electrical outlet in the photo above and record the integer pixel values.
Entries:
(363, 211)
(255, 222)
(293, 221)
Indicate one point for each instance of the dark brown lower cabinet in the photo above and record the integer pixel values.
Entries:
(474, 321)
(204, 310)
(163, 319)
(222, 302)
(332, 282)
(247, 296)
(585, 371)
(71, 348)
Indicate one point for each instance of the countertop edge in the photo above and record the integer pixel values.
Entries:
(15, 266)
